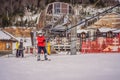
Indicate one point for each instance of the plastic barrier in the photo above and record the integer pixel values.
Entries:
(105, 45)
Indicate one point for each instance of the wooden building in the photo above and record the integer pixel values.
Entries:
(6, 42)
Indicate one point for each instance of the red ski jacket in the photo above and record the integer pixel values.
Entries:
(41, 41)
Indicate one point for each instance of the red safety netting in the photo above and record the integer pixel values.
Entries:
(102, 45)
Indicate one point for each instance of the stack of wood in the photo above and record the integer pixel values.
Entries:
(19, 31)
(111, 20)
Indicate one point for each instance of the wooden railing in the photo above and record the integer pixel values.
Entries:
(64, 47)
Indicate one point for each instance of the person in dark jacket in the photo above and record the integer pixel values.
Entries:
(21, 48)
(41, 42)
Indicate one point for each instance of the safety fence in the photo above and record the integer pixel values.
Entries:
(99, 45)
(102, 45)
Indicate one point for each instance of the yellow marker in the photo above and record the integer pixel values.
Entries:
(48, 48)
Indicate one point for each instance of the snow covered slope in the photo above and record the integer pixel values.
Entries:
(62, 67)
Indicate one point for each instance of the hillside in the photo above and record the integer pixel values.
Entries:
(11, 9)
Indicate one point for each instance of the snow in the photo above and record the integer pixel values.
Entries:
(61, 67)
(82, 30)
(105, 29)
(29, 17)
(116, 31)
(3, 35)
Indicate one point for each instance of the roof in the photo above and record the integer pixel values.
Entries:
(6, 36)
(106, 29)
(82, 30)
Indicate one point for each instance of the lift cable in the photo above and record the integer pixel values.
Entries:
(92, 17)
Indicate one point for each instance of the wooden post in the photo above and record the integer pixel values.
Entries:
(73, 37)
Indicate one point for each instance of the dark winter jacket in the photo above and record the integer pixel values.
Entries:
(21, 46)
